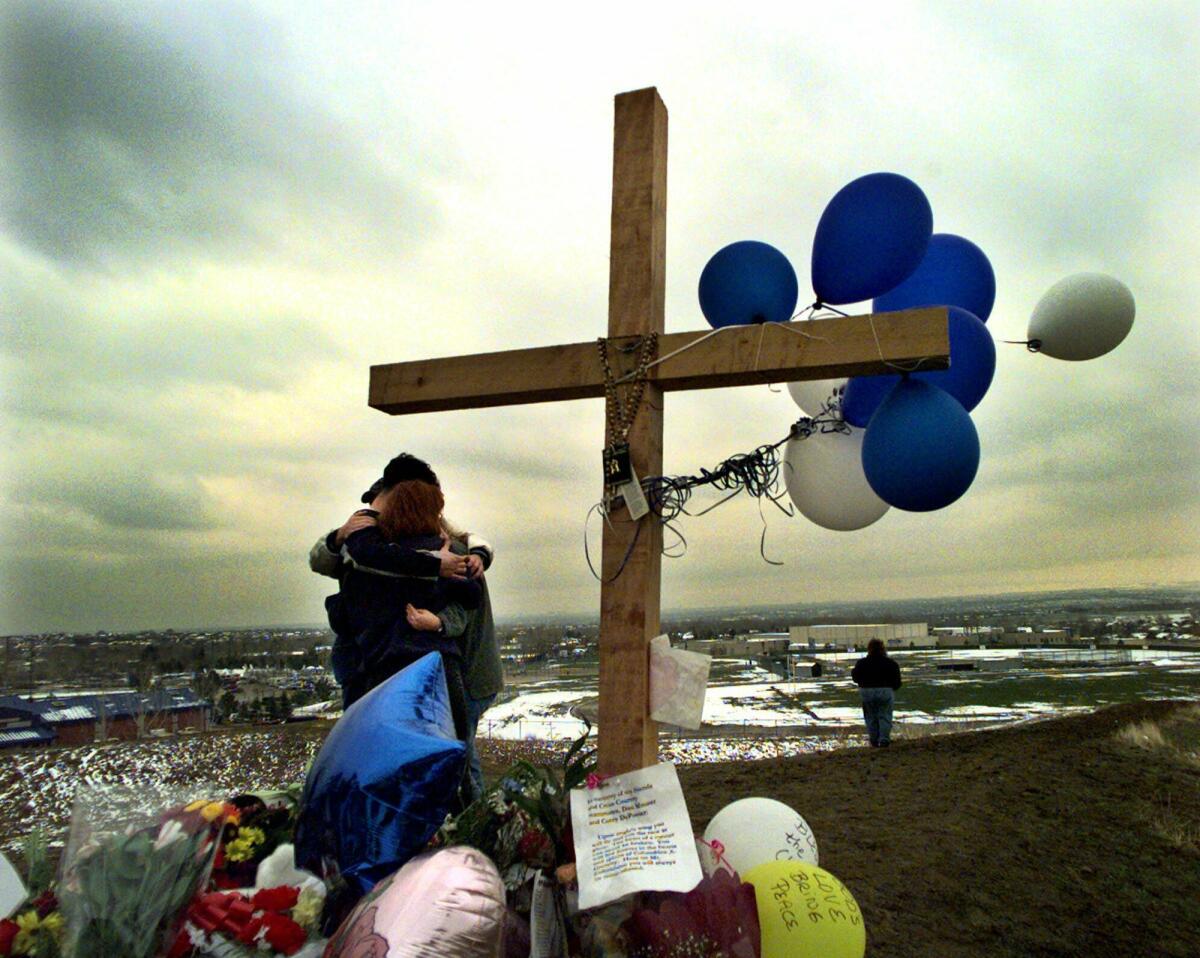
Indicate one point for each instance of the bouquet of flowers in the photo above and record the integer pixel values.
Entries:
(275, 920)
(130, 869)
(258, 823)
(524, 822)
(141, 881)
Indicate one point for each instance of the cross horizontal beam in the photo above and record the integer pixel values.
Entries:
(733, 356)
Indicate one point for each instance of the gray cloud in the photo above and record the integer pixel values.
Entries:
(141, 506)
(142, 131)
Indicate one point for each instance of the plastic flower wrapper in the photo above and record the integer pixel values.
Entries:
(716, 919)
(134, 859)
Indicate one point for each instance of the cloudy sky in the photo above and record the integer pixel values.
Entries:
(215, 216)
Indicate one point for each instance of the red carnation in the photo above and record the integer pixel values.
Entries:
(250, 930)
(283, 934)
(535, 849)
(283, 898)
(46, 903)
(9, 930)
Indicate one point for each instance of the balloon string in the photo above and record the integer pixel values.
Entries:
(788, 327)
(755, 473)
(681, 349)
(720, 329)
(587, 554)
(902, 367)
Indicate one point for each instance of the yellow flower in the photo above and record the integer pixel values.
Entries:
(307, 912)
(53, 923)
(211, 811)
(35, 930)
(242, 848)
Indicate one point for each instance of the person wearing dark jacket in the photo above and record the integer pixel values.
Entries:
(467, 555)
(384, 616)
(877, 677)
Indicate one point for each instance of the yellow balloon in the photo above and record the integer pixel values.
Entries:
(803, 910)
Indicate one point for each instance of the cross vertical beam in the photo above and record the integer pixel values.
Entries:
(629, 602)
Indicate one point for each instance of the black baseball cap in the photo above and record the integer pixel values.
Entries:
(401, 469)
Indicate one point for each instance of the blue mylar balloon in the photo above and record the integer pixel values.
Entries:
(748, 282)
(920, 451)
(384, 779)
(954, 272)
(871, 237)
(972, 365)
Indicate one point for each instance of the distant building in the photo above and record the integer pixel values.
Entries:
(957, 640)
(80, 719)
(746, 647)
(20, 729)
(897, 635)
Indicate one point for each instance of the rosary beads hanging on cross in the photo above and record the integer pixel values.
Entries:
(741, 356)
(620, 479)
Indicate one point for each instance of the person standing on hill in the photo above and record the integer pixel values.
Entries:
(466, 554)
(877, 676)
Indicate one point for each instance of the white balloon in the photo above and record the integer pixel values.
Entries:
(825, 479)
(813, 395)
(1082, 317)
(754, 831)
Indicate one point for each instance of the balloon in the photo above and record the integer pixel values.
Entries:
(804, 910)
(824, 477)
(954, 272)
(813, 395)
(1082, 317)
(448, 903)
(757, 830)
(384, 779)
(748, 282)
(871, 237)
(711, 862)
(921, 451)
(972, 365)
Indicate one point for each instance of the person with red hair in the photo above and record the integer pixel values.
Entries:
(384, 617)
(461, 554)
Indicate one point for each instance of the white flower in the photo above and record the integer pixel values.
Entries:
(171, 831)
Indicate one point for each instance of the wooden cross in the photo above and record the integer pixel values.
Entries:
(738, 356)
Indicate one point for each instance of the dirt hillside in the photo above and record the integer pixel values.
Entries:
(1077, 836)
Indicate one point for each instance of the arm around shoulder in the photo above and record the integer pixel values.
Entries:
(368, 550)
(323, 559)
(476, 544)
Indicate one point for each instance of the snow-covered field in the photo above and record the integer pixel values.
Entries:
(1003, 690)
(749, 713)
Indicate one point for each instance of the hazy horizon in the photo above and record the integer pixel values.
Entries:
(593, 616)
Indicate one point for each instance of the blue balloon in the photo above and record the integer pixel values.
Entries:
(871, 237)
(384, 779)
(748, 282)
(972, 366)
(921, 451)
(954, 272)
